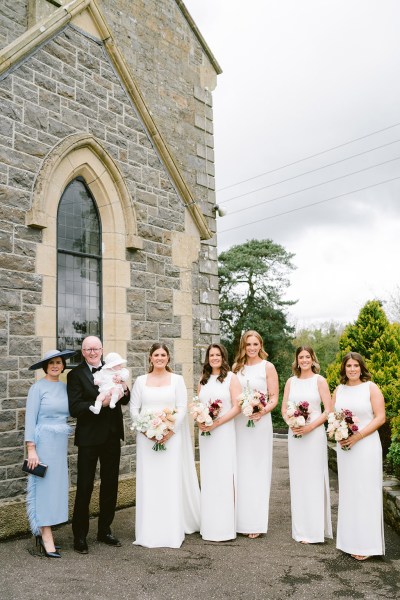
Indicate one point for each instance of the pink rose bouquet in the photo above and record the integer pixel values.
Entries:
(297, 415)
(155, 425)
(205, 413)
(251, 402)
(341, 425)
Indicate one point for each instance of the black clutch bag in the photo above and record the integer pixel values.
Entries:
(39, 470)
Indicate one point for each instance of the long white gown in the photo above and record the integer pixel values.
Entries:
(254, 459)
(308, 470)
(360, 515)
(218, 468)
(167, 488)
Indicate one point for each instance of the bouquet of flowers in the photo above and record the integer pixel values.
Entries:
(205, 413)
(297, 415)
(251, 402)
(341, 425)
(155, 424)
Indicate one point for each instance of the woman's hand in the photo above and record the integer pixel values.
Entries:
(208, 428)
(167, 436)
(33, 459)
(302, 430)
(256, 416)
(351, 440)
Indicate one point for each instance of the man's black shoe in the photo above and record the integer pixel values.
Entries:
(80, 545)
(108, 538)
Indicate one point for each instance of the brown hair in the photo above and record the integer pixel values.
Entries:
(207, 370)
(365, 375)
(315, 368)
(157, 346)
(241, 358)
(45, 363)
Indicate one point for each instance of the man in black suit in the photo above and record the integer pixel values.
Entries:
(98, 438)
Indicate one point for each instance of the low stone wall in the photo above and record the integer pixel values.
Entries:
(391, 492)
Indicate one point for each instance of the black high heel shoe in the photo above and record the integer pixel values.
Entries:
(39, 542)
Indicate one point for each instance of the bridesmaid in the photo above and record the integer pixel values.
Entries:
(217, 451)
(167, 488)
(254, 476)
(360, 515)
(308, 457)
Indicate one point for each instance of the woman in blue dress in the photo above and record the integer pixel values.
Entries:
(46, 438)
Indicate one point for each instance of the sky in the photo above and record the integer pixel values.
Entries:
(307, 142)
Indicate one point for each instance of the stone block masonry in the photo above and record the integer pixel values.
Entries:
(68, 86)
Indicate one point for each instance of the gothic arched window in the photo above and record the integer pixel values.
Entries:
(79, 298)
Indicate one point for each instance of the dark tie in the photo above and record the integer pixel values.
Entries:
(95, 369)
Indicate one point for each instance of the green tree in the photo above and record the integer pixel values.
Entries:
(324, 339)
(253, 278)
(378, 341)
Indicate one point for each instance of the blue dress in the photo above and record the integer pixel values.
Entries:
(46, 426)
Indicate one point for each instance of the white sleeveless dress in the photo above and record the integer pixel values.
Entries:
(167, 489)
(253, 475)
(360, 515)
(218, 468)
(308, 470)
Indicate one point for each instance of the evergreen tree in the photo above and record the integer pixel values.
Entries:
(253, 280)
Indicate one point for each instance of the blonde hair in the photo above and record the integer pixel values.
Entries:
(241, 357)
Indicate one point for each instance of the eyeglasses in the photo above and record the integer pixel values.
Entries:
(91, 350)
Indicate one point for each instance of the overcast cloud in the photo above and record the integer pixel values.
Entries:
(301, 77)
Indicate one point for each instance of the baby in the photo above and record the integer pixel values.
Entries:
(109, 379)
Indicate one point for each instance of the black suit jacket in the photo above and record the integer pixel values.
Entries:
(91, 429)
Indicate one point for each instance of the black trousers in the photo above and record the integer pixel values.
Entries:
(109, 455)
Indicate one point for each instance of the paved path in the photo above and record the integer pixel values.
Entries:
(271, 567)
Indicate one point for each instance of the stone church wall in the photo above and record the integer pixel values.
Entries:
(68, 86)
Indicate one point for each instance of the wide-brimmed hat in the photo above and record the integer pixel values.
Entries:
(112, 360)
(52, 354)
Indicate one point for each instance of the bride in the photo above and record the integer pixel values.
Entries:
(164, 480)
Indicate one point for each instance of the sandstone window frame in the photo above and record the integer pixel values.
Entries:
(82, 156)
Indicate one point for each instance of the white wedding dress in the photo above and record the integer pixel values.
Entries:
(308, 470)
(253, 476)
(218, 468)
(167, 489)
(360, 514)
